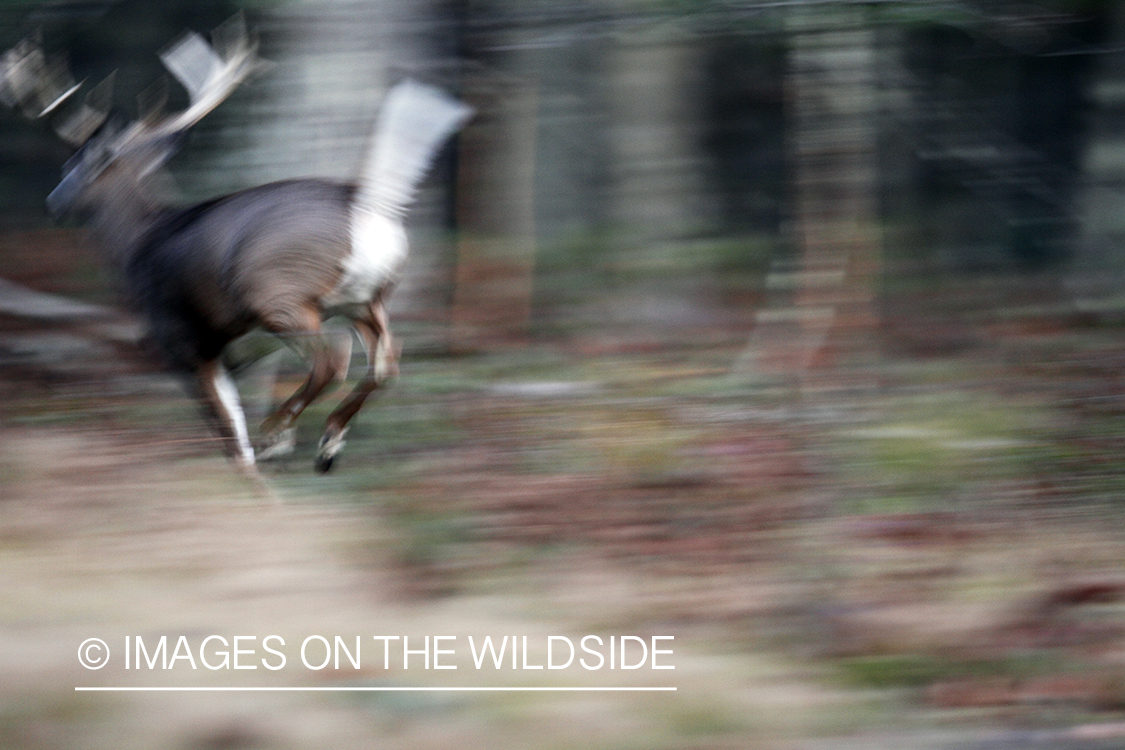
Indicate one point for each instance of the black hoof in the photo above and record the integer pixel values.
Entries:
(331, 443)
(324, 464)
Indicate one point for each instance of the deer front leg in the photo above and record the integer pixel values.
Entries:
(220, 399)
(328, 358)
(382, 365)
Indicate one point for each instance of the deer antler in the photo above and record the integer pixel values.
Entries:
(40, 86)
(209, 73)
(77, 127)
(32, 82)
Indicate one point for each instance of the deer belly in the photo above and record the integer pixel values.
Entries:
(377, 254)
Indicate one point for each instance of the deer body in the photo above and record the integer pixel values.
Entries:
(279, 256)
(236, 262)
(282, 256)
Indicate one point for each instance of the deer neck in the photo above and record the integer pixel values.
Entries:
(122, 222)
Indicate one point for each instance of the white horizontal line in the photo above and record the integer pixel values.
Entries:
(359, 689)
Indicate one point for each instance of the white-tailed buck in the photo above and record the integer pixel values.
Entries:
(283, 256)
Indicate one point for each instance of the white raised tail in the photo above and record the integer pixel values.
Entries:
(414, 122)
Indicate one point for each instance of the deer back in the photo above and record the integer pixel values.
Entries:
(257, 257)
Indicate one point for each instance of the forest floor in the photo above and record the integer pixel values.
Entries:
(925, 553)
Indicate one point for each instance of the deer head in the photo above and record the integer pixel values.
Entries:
(114, 157)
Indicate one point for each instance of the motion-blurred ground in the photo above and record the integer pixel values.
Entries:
(923, 554)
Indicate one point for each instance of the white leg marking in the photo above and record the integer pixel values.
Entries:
(281, 443)
(330, 447)
(382, 364)
(228, 397)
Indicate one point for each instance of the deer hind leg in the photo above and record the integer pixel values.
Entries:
(382, 365)
(328, 357)
(220, 397)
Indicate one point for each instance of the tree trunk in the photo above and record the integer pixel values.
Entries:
(822, 318)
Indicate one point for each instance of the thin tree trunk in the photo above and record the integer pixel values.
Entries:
(822, 315)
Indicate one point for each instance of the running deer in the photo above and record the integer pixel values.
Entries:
(283, 256)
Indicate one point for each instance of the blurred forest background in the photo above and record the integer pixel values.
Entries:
(791, 328)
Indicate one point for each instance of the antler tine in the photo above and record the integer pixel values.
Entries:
(58, 85)
(77, 127)
(231, 37)
(209, 74)
(19, 73)
(35, 83)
